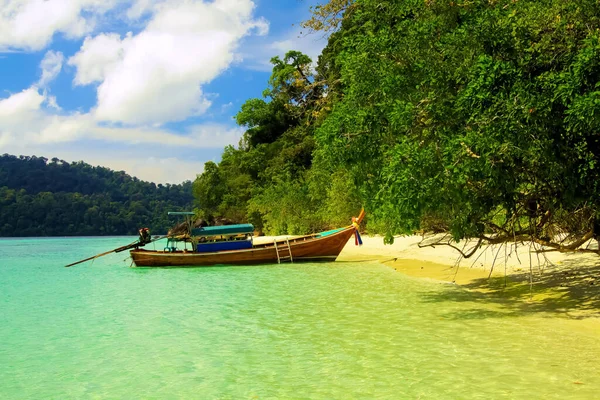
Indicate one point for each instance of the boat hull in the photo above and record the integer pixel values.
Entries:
(310, 248)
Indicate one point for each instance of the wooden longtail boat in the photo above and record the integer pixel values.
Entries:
(324, 246)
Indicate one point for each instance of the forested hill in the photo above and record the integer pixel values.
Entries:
(41, 197)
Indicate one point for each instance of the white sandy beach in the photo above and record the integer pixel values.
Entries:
(498, 256)
(440, 262)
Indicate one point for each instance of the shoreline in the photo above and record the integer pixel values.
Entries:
(561, 284)
(565, 285)
(444, 263)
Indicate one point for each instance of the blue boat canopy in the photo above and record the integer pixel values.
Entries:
(239, 229)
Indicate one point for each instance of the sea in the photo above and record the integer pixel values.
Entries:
(340, 330)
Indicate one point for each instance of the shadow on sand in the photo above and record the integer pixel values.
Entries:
(571, 290)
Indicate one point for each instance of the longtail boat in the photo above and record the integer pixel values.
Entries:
(234, 245)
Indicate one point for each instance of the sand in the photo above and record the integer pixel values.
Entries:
(443, 260)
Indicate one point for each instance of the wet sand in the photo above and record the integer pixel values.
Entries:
(550, 284)
(555, 284)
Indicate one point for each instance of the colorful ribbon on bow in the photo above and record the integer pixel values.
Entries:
(357, 238)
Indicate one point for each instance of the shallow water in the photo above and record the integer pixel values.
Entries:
(320, 331)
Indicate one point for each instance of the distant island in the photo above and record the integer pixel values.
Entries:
(42, 197)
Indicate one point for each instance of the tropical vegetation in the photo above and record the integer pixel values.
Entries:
(41, 197)
(480, 118)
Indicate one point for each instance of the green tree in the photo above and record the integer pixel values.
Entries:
(274, 155)
(478, 117)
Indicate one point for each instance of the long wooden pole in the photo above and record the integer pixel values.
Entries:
(101, 254)
(117, 250)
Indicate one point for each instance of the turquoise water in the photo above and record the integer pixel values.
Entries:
(303, 331)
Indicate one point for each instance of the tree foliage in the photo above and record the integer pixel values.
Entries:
(39, 197)
(270, 179)
(478, 118)
(328, 16)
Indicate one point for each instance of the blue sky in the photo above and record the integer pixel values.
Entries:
(146, 86)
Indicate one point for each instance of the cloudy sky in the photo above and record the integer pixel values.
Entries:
(145, 86)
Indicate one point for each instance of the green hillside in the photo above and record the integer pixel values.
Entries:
(41, 197)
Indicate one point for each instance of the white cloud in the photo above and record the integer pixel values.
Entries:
(24, 119)
(139, 8)
(31, 24)
(226, 107)
(216, 135)
(143, 80)
(258, 53)
(198, 136)
(97, 57)
(51, 101)
(153, 168)
(157, 169)
(310, 44)
(51, 66)
(157, 75)
(28, 126)
(20, 105)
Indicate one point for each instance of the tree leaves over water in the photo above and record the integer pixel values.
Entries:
(479, 118)
(41, 197)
